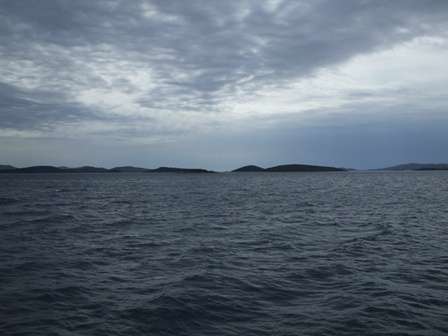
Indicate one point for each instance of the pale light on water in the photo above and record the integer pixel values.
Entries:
(224, 254)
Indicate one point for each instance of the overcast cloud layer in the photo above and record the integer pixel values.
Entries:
(220, 84)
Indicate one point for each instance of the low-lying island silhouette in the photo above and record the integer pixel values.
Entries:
(180, 170)
(287, 168)
(130, 169)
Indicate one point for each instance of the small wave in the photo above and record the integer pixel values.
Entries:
(52, 218)
(61, 191)
(100, 261)
(27, 216)
(363, 232)
(8, 200)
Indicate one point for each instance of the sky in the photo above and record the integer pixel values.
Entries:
(221, 84)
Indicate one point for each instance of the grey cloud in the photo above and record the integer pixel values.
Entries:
(214, 45)
(297, 42)
(38, 110)
(209, 30)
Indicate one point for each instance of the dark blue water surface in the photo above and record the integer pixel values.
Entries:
(224, 254)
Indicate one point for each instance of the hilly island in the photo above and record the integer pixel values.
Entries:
(130, 169)
(88, 169)
(288, 168)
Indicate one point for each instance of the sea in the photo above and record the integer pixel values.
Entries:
(335, 253)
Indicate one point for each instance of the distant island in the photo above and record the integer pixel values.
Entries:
(88, 169)
(180, 170)
(51, 169)
(417, 166)
(287, 169)
(246, 169)
(129, 169)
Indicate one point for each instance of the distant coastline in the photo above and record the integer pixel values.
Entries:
(417, 166)
(245, 169)
(287, 168)
(89, 169)
(129, 169)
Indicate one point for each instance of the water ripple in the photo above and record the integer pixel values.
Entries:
(224, 254)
